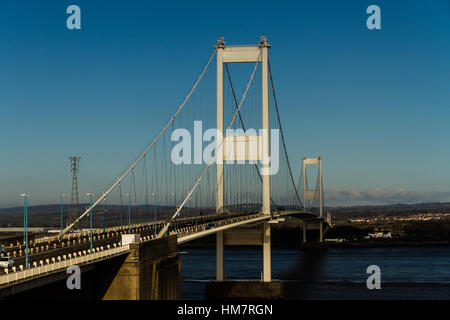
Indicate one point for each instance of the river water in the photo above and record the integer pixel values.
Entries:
(335, 273)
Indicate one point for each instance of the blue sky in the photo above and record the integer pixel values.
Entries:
(374, 103)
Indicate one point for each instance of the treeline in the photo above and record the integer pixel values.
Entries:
(433, 230)
(342, 213)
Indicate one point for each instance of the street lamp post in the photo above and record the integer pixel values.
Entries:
(25, 212)
(90, 216)
(196, 213)
(129, 211)
(154, 204)
(121, 207)
(61, 212)
(104, 216)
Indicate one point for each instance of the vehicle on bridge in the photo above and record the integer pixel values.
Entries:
(6, 262)
(210, 226)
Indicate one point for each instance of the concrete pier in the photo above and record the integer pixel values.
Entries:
(244, 290)
(152, 271)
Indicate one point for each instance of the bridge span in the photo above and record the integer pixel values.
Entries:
(49, 260)
(244, 180)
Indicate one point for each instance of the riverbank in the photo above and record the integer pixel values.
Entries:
(383, 244)
(350, 244)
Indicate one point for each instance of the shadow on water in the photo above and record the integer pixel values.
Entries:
(334, 273)
(299, 270)
(307, 270)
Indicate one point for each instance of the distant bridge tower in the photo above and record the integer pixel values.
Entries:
(312, 194)
(74, 202)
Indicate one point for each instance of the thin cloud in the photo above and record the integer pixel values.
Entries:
(382, 196)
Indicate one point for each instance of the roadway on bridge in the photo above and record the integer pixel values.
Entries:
(109, 237)
(188, 229)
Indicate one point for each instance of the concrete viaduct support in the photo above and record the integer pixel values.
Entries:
(313, 224)
(256, 235)
(259, 235)
(150, 271)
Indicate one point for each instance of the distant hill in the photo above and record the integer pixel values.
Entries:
(390, 209)
(48, 208)
(49, 215)
(402, 206)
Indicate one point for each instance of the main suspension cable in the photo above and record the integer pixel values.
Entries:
(242, 123)
(199, 179)
(282, 137)
(146, 150)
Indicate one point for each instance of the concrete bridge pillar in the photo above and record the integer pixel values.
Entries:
(259, 235)
(265, 288)
(267, 259)
(314, 224)
(304, 230)
(320, 232)
(220, 269)
(151, 271)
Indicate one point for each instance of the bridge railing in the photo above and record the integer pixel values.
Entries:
(97, 231)
(61, 265)
(182, 232)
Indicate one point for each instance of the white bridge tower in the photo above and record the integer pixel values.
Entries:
(239, 54)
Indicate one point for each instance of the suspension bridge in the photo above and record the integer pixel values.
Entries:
(219, 166)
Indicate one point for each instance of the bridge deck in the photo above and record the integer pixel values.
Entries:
(189, 230)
